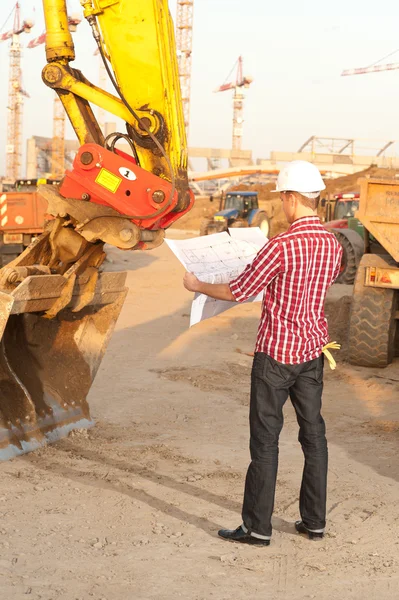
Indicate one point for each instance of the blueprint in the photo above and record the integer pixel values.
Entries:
(217, 258)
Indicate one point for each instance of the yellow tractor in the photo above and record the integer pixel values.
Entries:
(374, 330)
(57, 307)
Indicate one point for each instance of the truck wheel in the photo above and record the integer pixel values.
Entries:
(372, 326)
(204, 226)
(353, 249)
(261, 220)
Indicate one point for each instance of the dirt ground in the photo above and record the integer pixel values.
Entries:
(130, 509)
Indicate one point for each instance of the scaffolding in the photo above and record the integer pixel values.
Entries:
(14, 120)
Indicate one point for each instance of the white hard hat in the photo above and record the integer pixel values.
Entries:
(299, 176)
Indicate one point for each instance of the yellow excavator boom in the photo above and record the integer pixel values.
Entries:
(137, 39)
(58, 305)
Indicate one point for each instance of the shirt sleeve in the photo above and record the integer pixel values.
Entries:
(338, 265)
(266, 265)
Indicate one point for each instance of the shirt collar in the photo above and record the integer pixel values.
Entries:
(311, 220)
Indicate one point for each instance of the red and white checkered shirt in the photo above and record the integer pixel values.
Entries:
(295, 270)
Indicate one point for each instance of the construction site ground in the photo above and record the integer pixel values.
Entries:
(130, 509)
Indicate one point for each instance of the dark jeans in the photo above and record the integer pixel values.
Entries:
(271, 384)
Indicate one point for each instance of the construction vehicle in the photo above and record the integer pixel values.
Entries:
(236, 209)
(57, 307)
(22, 216)
(373, 329)
(340, 220)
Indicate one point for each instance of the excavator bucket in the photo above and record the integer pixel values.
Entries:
(47, 365)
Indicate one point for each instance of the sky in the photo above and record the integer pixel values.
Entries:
(294, 52)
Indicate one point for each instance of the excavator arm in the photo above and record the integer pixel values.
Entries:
(58, 306)
(136, 42)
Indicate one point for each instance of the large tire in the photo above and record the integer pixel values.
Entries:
(204, 226)
(372, 326)
(261, 220)
(353, 249)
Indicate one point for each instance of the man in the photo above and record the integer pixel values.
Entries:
(295, 270)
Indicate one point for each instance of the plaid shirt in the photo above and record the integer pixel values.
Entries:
(295, 270)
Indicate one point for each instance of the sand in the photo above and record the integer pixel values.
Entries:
(130, 509)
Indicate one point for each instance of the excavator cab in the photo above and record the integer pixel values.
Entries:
(58, 307)
(243, 202)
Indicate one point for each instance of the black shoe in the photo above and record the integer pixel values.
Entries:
(239, 535)
(312, 535)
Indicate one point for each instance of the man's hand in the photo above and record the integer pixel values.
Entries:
(191, 282)
(219, 291)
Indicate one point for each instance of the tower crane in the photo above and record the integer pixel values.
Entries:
(15, 95)
(184, 44)
(371, 69)
(374, 68)
(58, 139)
(240, 82)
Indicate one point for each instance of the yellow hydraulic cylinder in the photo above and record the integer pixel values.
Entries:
(59, 44)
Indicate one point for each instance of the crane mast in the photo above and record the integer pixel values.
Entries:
(184, 43)
(238, 101)
(58, 141)
(14, 120)
(15, 96)
(238, 109)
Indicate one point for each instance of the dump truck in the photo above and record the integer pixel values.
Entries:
(340, 219)
(237, 209)
(373, 328)
(57, 306)
(22, 216)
